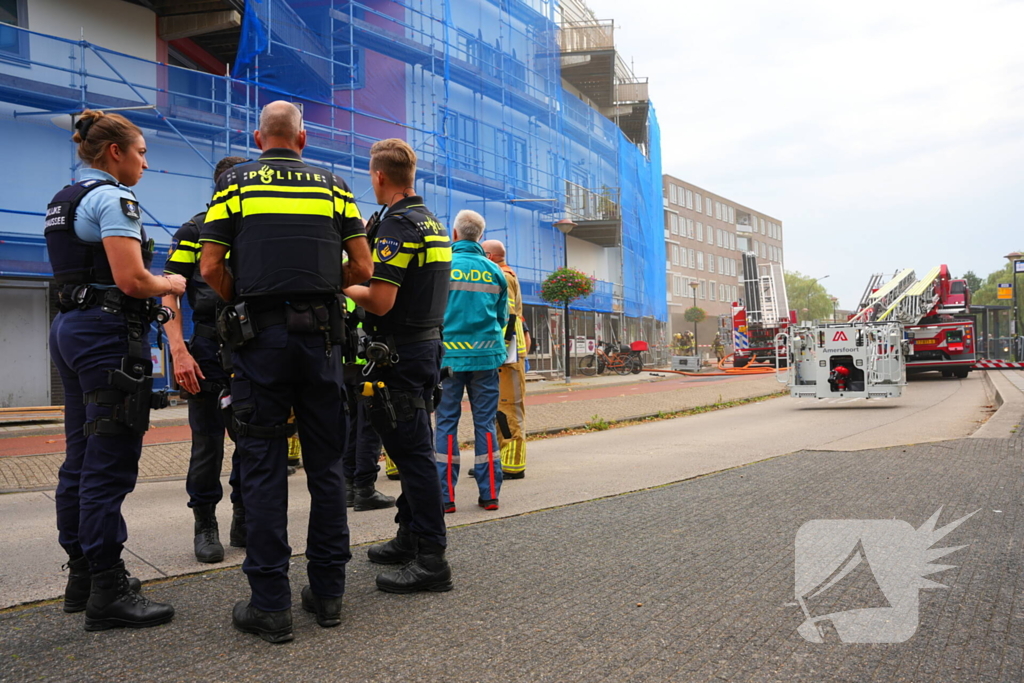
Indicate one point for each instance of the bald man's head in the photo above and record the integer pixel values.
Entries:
(281, 126)
(494, 250)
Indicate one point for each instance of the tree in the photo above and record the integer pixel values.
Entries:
(808, 297)
(974, 282)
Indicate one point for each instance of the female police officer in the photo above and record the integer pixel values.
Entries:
(99, 343)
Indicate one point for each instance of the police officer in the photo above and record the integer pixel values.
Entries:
(405, 304)
(100, 344)
(286, 224)
(199, 372)
(362, 451)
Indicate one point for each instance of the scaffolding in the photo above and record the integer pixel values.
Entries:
(474, 86)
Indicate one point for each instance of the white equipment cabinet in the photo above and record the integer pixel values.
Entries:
(852, 360)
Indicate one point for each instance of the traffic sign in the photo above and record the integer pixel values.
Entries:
(1018, 266)
(1004, 290)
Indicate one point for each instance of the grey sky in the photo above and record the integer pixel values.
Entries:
(883, 135)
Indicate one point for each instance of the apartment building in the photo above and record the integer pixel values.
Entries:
(705, 238)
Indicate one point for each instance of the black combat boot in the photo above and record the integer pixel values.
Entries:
(76, 593)
(327, 610)
(113, 604)
(369, 498)
(428, 572)
(399, 550)
(273, 627)
(207, 542)
(350, 493)
(238, 529)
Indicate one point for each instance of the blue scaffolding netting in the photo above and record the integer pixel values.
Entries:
(473, 85)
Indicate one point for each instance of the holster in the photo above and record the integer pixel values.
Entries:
(131, 399)
(235, 325)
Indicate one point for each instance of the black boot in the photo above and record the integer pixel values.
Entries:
(76, 593)
(273, 627)
(207, 542)
(399, 550)
(327, 610)
(238, 529)
(113, 604)
(428, 572)
(350, 493)
(369, 498)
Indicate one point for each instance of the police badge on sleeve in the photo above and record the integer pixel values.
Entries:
(387, 248)
(130, 207)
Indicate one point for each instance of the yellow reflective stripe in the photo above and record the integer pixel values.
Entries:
(435, 238)
(399, 260)
(343, 193)
(184, 243)
(226, 191)
(253, 206)
(286, 188)
(439, 254)
(217, 212)
(207, 239)
(412, 245)
(346, 208)
(183, 256)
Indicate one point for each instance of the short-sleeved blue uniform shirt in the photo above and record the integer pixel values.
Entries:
(102, 212)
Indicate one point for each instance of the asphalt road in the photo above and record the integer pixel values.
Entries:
(561, 471)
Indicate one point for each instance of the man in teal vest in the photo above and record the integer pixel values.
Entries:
(474, 343)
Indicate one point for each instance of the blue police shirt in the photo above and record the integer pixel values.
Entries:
(101, 213)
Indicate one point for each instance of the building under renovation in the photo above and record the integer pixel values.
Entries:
(521, 110)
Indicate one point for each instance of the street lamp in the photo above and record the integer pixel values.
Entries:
(565, 226)
(1013, 257)
(696, 347)
(835, 304)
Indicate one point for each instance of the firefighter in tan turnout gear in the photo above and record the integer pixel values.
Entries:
(512, 376)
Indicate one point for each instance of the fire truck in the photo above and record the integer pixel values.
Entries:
(763, 315)
(934, 311)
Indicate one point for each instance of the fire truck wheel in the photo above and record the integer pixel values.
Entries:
(962, 373)
(740, 362)
(947, 373)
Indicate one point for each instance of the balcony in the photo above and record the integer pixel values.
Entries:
(588, 59)
(597, 215)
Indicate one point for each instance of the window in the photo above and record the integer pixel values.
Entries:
(693, 259)
(689, 199)
(702, 289)
(743, 243)
(675, 254)
(349, 74)
(696, 203)
(762, 225)
(711, 290)
(718, 210)
(721, 238)
(13, 43)
(673, 221)
(672, 193)
(732, 241)
(700, 260)
(516, 160)
(700, 231)
(707, 206)
(732, 215)
(721, 264)
(711, 263)
(689, 228)
(763, 232)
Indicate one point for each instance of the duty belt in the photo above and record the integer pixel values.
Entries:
(395, 340)
(204, 331)
(111, 300)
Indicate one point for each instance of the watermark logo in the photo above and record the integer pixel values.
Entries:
(863, 577)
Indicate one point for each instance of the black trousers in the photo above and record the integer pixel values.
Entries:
(207, 422)
(274, 373)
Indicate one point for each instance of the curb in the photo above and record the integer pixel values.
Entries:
(1009, 402)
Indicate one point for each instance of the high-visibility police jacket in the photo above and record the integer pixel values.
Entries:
(183, 259)
(412, 251)
(285, 222)
(477, 311)
(515, 307)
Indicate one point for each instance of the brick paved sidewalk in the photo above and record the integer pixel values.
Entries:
(688, 582)
(558, 408)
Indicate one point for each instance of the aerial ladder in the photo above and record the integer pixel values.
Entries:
(877, 301)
